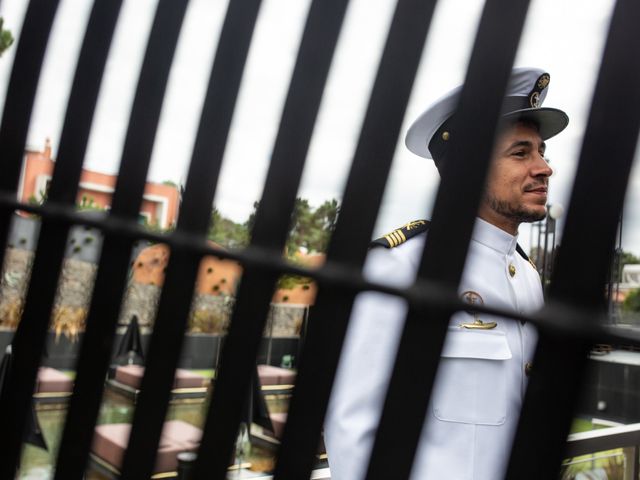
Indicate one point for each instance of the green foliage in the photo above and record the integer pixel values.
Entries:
(154, 227)
(632, 302)
(288, 282)
(39, 200)
(605, 464)
(628, 257)
(6, 39)
(226, 232)
(624, 258)
(311, 229)
(250, 223)
(88, 203)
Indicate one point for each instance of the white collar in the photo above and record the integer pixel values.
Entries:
(493, 237)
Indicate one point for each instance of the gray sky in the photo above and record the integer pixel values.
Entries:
(564, 37)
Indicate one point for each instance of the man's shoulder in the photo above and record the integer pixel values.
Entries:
(393, 259)
(401, 235)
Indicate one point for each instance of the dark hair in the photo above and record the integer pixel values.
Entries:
(439, 144)
(526, 121)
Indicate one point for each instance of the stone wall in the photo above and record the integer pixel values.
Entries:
(15, 277)
(210, 313)
(72, 297)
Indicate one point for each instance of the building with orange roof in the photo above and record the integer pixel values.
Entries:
(160, 202)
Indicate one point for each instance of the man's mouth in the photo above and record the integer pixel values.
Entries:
(541, 190)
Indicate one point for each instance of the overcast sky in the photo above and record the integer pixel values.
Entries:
(564, 37)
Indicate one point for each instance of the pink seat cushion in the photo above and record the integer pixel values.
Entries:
(132, 375)
(110, 442)
(270, 375)
(188, 379)
(278, 420)
(52, 380)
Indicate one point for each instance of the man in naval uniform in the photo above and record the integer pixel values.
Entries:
(485, 361)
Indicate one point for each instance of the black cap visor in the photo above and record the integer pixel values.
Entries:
(550, 121)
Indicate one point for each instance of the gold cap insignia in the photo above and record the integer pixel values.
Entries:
(538, 87)
(543, 81)
(534, 100)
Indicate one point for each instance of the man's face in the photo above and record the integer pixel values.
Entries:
(516, 189)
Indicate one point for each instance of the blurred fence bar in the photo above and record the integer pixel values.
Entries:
(365, 186)
(273, 217)
(176, 297)
(612, 133)
(64, 183)
(14, 401)
(449, 235)
(114, 260)
(568, 326)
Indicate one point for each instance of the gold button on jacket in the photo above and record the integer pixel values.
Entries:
(528, 367)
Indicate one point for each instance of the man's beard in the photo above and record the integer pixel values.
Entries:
(517, 213)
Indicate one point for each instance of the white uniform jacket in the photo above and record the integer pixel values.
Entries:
(481, 379)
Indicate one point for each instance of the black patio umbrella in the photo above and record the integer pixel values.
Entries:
(259, 410)
(5, 366)
(255, 408)
(130, 347)
(254, 411)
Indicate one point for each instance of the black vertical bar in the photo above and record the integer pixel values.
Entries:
(560, 363)
(114, 260)
(14, 400)
(18, 105)
(538, 254)
(365, 186)
(176, 297)
(545, 261)
(447, 243)
(319, 40)
(31, 333)
(64, 184)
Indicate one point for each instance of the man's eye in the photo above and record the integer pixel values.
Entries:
(519, 153)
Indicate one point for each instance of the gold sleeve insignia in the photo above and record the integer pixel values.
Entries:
(401, 235)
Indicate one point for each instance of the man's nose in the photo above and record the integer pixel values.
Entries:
(541, 167)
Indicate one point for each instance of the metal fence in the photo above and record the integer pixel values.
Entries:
(568, 325)
(618, 437)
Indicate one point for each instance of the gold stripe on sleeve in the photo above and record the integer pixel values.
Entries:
(391, 240)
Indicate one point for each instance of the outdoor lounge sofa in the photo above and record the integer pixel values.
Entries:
(110, 443)
(186, 384)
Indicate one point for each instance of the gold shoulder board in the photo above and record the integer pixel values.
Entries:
(401, 235)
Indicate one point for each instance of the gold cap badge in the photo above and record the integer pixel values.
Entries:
(540, 85)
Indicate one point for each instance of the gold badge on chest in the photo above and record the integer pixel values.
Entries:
(474, 299)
